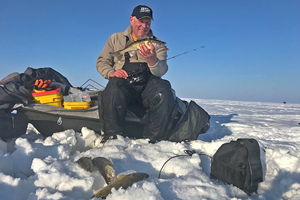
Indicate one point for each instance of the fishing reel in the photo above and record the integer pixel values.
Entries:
(134, 76)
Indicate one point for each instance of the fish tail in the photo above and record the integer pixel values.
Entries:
(117, 55)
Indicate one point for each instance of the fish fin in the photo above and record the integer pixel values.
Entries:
(143, 37)
(117, 55)
(131, 53)
(121, 176)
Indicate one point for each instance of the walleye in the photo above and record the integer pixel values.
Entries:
(86, 163)
(124, 182)
(104, 166)
(106, 169)
(134, 46)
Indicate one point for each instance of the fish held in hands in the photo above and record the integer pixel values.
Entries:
(135, 46)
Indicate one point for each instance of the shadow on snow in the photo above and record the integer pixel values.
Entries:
(217, 128)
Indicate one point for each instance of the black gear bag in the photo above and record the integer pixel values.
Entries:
(12, 125)
(238, 163)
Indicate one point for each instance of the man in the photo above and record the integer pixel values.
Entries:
(150, 91)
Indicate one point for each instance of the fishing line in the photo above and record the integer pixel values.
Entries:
(187, 152)
(90, 84)
(185, 53)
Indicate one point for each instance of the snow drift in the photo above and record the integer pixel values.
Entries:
(36, 167)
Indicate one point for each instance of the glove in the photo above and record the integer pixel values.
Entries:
(32, 83)
(41, 84)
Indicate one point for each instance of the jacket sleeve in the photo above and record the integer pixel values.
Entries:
(105, 61)
(161, 67)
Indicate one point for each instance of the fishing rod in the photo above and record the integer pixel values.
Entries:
(167, 59)
(184, 53)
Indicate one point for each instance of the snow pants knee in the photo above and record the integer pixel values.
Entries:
(155, 96)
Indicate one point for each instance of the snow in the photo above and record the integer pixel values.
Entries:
(34, 167)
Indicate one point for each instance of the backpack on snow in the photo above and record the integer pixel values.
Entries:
(238, 163)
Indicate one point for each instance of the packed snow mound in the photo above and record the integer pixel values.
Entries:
(34, 167)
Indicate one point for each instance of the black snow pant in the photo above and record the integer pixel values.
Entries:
(155, 96)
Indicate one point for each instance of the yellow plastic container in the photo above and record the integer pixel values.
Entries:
(77, 105)
(52, 97)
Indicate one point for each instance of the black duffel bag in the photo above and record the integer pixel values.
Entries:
(238, 163)
(12, 125)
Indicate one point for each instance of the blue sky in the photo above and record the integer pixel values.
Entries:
(252, 47)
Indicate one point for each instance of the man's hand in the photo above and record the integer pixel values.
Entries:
(120, 73)
(148, 54)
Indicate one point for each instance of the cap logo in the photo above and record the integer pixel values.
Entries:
(145, 9)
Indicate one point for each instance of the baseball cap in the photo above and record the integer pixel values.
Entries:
(142, 11)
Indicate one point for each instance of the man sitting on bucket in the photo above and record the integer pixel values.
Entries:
(135, 78)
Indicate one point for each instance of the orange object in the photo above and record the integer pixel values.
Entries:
(40, 83)
(52, 97)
